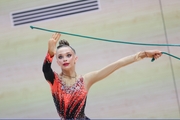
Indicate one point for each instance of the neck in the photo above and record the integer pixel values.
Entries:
(69, 74)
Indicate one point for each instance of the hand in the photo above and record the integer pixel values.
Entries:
(153, 53)
(52, 43)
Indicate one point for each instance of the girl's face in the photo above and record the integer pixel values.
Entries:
(66, 58)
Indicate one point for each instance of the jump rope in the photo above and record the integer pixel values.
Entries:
(114, 41)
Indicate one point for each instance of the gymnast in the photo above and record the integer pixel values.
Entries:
(69, 90)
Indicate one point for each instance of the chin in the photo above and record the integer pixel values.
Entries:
(66, 68)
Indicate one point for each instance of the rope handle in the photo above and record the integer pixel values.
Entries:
(167, 54)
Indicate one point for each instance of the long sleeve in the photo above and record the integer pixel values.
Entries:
(48, 72)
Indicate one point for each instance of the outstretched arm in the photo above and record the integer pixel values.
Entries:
(92, 77)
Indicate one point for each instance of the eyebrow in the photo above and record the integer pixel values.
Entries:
(65, 53)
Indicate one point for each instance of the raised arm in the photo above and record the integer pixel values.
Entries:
(92, 77)
(48, 72)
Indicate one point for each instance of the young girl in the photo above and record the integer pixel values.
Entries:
(69, 90)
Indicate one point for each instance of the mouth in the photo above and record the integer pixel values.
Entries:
(65, 64)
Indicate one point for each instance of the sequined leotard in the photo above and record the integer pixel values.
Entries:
(69, 101)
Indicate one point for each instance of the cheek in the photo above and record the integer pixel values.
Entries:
(71, 60)
(59, 62)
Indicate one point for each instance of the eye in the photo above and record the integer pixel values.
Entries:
(60, 57)
(69, 55)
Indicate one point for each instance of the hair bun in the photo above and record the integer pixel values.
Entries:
(63, 42)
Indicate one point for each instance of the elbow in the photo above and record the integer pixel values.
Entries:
(44, 69)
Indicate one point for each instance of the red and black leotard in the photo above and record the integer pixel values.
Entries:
(70, 101)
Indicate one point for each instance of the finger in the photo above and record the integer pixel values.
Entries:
(58, 36)
(53, 35)
(157, 56)
(158, 53)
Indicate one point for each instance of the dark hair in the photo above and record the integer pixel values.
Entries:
(65, 43)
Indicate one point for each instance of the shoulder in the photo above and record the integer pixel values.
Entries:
(57, 78)
(86, 79)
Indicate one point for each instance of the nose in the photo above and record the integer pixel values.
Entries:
(64, 60)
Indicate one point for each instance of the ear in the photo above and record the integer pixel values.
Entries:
(76, 58)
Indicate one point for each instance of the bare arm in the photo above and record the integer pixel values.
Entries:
(92, 77)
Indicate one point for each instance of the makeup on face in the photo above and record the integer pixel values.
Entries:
(65, 56)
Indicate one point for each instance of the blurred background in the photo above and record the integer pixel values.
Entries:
(143, 89)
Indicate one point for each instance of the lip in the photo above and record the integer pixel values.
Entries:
(65, 64)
